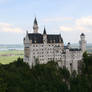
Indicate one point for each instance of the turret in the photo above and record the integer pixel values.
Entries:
(26, 40)
(26, 47)
(68, 45)
(44, 36)
(82, 43)
(35, 26)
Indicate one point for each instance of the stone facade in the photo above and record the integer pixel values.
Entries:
(46, 47)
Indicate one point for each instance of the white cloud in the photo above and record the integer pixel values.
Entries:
(83, 24)
(63, 28)
(84, 21)
(5, 27)
(57, 19)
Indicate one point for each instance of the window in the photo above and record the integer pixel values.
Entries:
(42, 52)
(33, 45)
(42, 55)
(26, 47)
(33, 49)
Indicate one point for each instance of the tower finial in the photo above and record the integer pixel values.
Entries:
(35, 26)
(44, 32)
(35, 21)
(26, 31)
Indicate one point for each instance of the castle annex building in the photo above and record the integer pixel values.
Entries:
(47, 47)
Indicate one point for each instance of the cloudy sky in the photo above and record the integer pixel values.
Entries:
(69, 18)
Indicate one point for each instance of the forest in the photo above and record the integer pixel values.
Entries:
(18, 77)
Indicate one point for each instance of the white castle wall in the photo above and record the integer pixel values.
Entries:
(46, 52)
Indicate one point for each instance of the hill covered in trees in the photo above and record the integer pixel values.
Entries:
(18, 77)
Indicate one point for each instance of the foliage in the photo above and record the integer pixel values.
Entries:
(18, 77)
(88, 63)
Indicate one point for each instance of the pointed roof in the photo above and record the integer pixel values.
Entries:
(44, 32)
(35, 21)
(26, 31)
(68, 42)
(82, 34)
(51, 38)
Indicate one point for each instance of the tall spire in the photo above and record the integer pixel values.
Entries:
(26, 32)
(35, 26)
(35, 21)
(44, 32)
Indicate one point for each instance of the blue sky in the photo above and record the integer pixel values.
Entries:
(66, 17)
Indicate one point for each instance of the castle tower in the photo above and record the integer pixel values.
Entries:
(82, 42)
(26, 41)
(26, 48)
(44, 36)
(69, 45)
(35, 26)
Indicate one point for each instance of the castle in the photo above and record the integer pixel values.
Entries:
(50, 47)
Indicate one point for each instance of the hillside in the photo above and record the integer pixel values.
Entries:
(18, 77)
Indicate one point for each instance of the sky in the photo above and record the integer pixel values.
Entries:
(69, 18)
